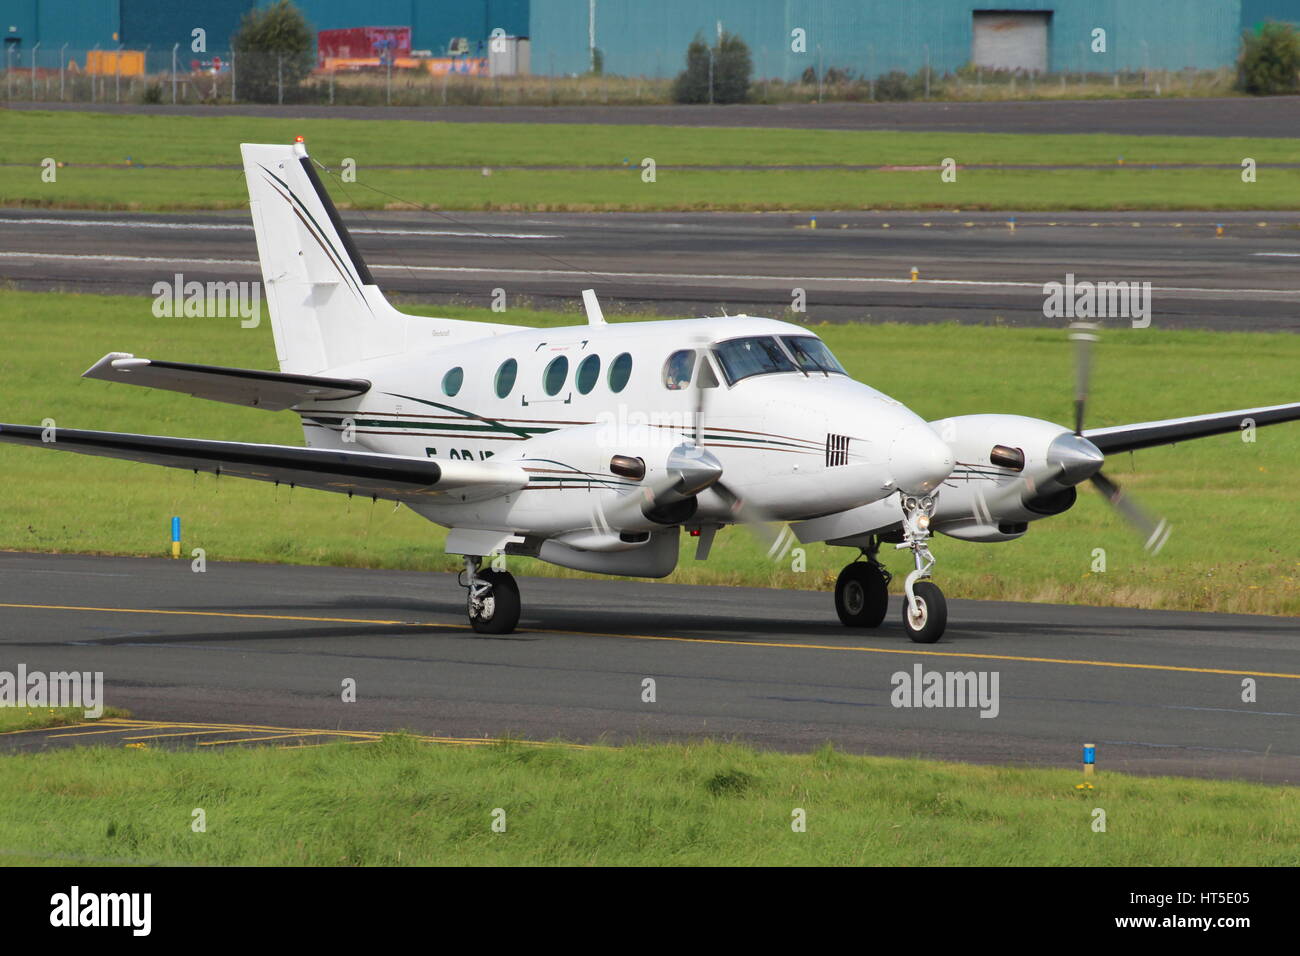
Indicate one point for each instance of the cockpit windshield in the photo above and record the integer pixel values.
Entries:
(755, 355)
(812, 355)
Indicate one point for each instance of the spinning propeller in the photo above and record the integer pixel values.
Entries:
(1077, 458)
(755, 520)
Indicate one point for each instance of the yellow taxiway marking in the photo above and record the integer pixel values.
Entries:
(121, 725)
(245, 740)
(732, 642)
(92, 733)
(183, 733)
(257, 617)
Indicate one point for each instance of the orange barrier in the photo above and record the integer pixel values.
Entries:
(111, 62)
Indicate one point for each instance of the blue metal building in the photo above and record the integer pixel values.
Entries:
(637, 37)
(875, 36)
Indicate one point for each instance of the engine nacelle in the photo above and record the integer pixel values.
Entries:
(654, 557)
(1006, 475)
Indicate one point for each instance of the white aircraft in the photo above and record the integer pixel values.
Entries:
(594, 446)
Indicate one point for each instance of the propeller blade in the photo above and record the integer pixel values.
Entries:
(702, 368)
(766, 529)
(1083, 334)
(1154, 532)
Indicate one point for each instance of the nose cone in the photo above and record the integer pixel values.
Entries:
(696, 468)
(1075, 458)
(919, 460)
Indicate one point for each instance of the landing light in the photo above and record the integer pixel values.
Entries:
(923, 522)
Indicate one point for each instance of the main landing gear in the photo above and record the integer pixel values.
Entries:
(493, 601)
(862, 590)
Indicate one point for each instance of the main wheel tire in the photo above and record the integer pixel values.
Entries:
(927, 624)
(861, 595)
(499, 612)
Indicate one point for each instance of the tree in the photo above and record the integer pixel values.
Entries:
(1270, 60)
(720, 75)
(274, 51)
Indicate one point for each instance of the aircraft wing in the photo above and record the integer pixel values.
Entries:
(273, 391)
(1171, 430)
(364, 473)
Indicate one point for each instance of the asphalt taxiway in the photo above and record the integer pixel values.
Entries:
(268, 646)
(854, 266)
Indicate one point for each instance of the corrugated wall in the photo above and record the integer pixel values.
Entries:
(79, 23)
(876, 36)
(157, 24)
(432, 22)
(1257, 12)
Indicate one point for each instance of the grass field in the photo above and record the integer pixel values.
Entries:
(397, 802)
(146, 162)
(1233, 504)
(32, 718)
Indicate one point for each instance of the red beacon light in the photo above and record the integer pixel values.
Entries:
(298, 139)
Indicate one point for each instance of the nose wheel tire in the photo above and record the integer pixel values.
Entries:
(861, 595)
(497, 610)
(925, 621)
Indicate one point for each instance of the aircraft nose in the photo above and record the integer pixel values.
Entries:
(919, 460)
(1075, 458)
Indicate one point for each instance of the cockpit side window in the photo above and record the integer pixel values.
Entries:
(755, 355)
(812, 355)
(678, 369)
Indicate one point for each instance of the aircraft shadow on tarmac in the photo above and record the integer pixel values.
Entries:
(649, 621)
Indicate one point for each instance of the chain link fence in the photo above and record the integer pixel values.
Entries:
(178, 76)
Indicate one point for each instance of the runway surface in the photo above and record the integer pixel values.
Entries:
(973, 267)
(270, 646)
(1265, 116)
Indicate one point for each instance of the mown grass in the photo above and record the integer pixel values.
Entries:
(190, 140)
(571, 190)
(401, 802)
(1233, 504)
(151, 144)
(34, 718)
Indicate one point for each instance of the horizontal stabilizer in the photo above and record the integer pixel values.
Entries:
(1122, 438)
(238, 386)
(364, 473)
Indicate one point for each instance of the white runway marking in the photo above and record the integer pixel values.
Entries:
(243, 227)
(673, 276)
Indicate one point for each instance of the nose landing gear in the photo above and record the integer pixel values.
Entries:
(862, 589)
(493, 598)
(925, 612)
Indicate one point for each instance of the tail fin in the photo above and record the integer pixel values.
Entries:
(326, 310)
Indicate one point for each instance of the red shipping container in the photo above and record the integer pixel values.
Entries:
(360, 42)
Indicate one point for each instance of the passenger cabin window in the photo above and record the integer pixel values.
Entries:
(588, 374)
(756, 355)
(678, 369)
(555, 374)
(620, 370)
(506, 377)
(811, 354)
(452, 381)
